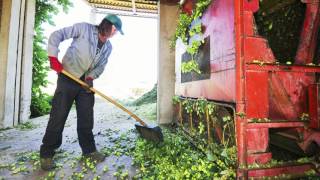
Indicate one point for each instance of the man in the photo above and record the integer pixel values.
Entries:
(86, 59)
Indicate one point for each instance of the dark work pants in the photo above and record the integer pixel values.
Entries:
(66, 93)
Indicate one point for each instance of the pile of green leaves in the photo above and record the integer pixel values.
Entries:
(45, 10)
(149, 97)
(27, 126)
(176, 158)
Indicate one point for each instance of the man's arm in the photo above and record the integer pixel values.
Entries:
(60, 35)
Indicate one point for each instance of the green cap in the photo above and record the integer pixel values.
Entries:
(116, 21)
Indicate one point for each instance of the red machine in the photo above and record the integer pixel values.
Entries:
(245, 73)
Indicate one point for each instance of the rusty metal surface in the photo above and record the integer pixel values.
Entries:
(289, 169)
(257, 100)
(219, 23)
(281, 94)
(261, 140)
(308, 37)
(240, 122)
(259, 158)
(221, 86)
(288, 94)
(313, 94)
(267, 90)
(277, 124)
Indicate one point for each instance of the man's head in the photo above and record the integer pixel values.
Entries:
(109, 26)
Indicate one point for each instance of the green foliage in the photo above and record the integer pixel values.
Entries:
(188, 105)
(200, 107)
(26, 126)
(182, 27)
(189, 66)
(184, 32)
(149, 97)
(45, 10)
(176, 100)
(185, 20)
(175, 158)
(194, 47)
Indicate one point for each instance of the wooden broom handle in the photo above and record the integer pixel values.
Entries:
(105, 97)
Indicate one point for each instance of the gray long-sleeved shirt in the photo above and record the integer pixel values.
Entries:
(82, 56)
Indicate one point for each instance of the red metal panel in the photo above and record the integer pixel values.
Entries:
(310, 136)
(221, 86)
(259, 158)
(257, 140)
(240, 122)
(257, 49)
(288, 94)
(288, 124)
(224, 63)
(309, 34)
(272, 91)
(251, 5)
(248, 23)
(219, 22)
(275, 68)
(257, 94)
(314, 106)
(288, 88)
(275, 171)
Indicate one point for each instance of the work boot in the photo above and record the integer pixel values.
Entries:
(47, 164)
(95, 156)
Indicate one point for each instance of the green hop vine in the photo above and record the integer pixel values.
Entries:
(184, 33)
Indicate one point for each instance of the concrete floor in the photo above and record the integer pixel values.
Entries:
(113, 130)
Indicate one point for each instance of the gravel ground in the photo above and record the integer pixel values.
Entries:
(111, 125)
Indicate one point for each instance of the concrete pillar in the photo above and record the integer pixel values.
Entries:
(3, 21)
(4, 45)
(15, 59)
(0, 10)
(166, 63)
(27, 56)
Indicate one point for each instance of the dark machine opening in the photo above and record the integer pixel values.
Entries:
(280, 22)
(203, 60)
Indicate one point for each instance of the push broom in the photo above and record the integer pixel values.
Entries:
(152, 133)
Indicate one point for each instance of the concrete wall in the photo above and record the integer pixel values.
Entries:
(0, 10)
(26, 65)
(4, 38)
(16, 36)
(166, 63)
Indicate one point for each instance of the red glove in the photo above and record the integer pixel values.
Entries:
(55, 64)
(89, 81)
(89, 84)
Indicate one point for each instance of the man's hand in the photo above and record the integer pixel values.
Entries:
(89, 82)
(55, 64)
